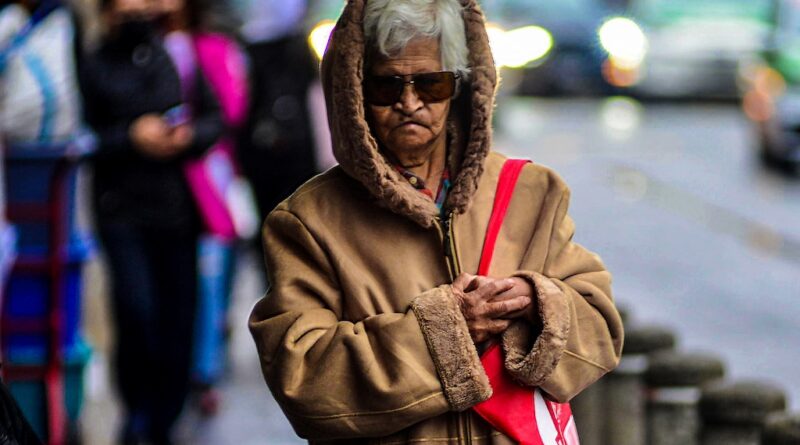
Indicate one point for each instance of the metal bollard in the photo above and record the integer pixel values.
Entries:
(624, 411)
(782, 429)
(589, 407)
(589, 413)
(734, 413)
(624, 314)
(674, 381)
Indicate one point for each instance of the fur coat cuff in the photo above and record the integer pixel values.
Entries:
(532, 352)
(457, 362)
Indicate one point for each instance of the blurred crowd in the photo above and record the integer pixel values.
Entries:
(203, 115)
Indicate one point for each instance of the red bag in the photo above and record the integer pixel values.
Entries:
(523, 414)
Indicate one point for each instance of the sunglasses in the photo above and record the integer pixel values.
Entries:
(430, 87)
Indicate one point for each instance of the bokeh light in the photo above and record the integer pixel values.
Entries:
(519, 47)
(621, 114)
(318, 38)
(625, 42)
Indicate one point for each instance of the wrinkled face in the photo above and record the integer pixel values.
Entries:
(410, 129)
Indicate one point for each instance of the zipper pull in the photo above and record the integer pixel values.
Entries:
(448, 248)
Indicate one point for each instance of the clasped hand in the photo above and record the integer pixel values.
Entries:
(490, 305)
(152, 136)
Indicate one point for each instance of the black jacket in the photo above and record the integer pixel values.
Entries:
(120, 82)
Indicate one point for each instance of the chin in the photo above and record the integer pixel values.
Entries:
(411, 148)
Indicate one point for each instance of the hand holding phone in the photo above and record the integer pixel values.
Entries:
(177, 116)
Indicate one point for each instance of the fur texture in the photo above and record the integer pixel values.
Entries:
(463, 378)
(357, 150)
(532, 366)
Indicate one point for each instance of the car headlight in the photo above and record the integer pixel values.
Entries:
(520, 46)
(496, 34)
(624, 41)
(318, 37)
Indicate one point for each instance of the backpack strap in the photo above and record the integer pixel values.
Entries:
(502, 198)
(19, 39)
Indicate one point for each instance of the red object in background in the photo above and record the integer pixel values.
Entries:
(521, 413)
(52, 372)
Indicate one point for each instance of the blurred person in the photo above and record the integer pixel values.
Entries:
(144, 210)
(201, 38)
(372, 328)
(8, 241)
(39, 102)
(278, 150)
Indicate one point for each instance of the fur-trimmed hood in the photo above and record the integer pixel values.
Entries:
(357, 150)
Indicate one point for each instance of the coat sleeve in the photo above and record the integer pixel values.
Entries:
(338, 379)
(580, 335)
(113, 136)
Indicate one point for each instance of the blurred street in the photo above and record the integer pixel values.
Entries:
(699, 237)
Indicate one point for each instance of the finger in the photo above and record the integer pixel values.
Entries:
(514, 292)
(485, 330)
(477, 282)
(522, 313)
(157, 127)
(501, 309)
(497, 327)
(462, 281)
(479, 335)
(180, 136)
(481, 280)
(185, 131)
(495, 287)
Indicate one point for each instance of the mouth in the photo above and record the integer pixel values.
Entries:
(410, 124)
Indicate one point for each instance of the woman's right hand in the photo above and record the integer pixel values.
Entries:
(486, 318)
(149, 135)
(152, 136)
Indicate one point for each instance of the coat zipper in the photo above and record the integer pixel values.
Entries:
(454, 269)
(448, 241)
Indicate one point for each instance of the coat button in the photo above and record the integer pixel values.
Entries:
(141, 55)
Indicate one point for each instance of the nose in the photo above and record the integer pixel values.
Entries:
(409, 101)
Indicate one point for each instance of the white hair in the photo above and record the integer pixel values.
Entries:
(390, 24)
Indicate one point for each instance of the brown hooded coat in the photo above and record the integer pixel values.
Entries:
(360, 337)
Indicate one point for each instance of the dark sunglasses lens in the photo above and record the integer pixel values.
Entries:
(435, 87)
(383, 90)
(430, 87)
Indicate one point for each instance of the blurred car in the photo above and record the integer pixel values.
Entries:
(772, 98)
(544, 47)
(553, 47)
(697, 47)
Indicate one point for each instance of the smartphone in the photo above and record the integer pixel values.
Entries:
(177, 116)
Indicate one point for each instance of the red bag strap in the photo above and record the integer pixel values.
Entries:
(502, 197)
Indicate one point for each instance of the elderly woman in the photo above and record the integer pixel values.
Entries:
(372, 328)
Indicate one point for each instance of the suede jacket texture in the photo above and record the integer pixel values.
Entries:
(360, 337)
